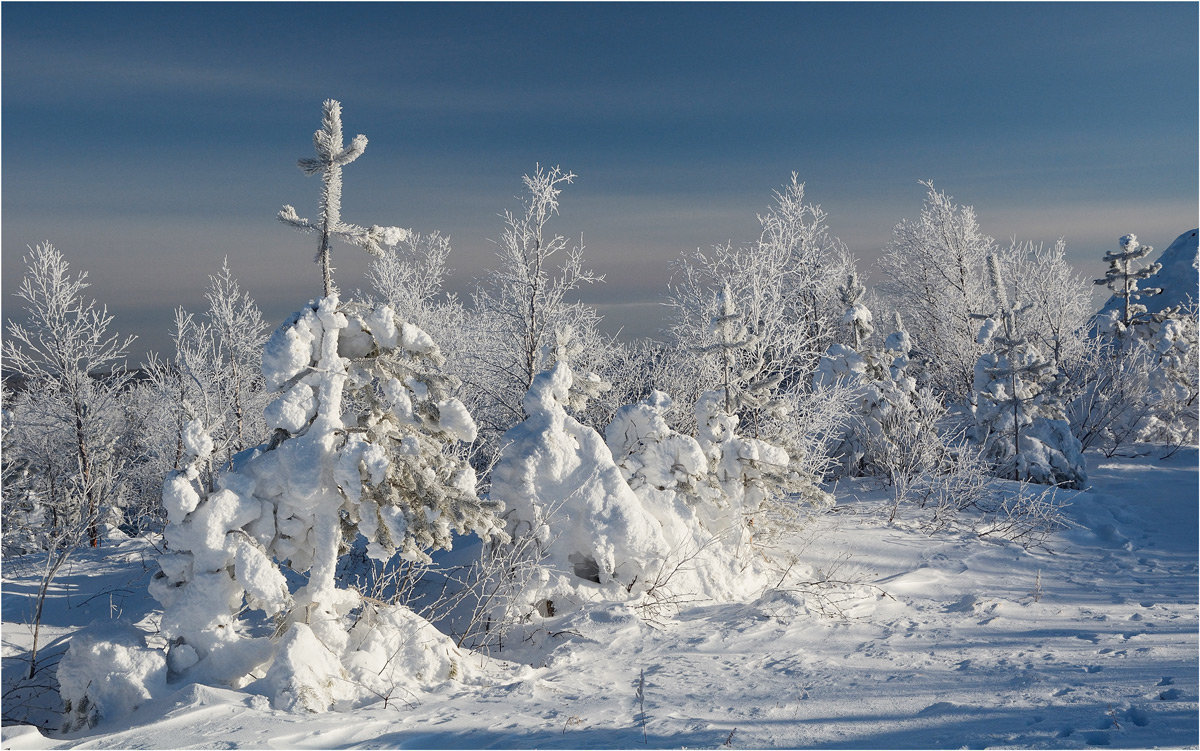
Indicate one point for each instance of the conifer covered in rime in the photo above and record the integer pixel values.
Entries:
(857, 316)
(365, 431)
(1172, 345)
(884, 402)
(1122, 278)
(74, 374)
(561, 486)
(745, 383)
(364, 443)
(753, 476)
(331, 156)
(935, 271)
(214, 565)
(1019, 423)
(365, 440)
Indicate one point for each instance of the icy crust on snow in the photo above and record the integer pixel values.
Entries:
(560, 484)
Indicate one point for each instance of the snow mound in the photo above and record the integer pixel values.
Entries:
(109, 672)
(561, 485)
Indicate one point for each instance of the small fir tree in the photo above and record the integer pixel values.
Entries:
(857, 316)
(1019, 422)
(1122, 278)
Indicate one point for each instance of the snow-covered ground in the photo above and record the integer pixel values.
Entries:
(935, 642)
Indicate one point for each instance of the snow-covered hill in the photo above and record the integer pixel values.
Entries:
(936, 642)
(1178, 278)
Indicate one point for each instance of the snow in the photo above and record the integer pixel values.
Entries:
(1177, 278)
(560, 484)
(942, 641)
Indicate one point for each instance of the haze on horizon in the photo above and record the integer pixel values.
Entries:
(149, 141)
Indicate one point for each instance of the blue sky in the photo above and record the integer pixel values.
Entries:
(148, 141)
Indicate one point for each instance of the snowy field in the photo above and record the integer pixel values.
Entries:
(946, 641)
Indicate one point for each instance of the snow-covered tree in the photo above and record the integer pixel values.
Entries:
(366, 440)
(411, 275)
(857, 317)
(561, 486)
(781, 290)
(331, 156)
(212, 566)
(885, 420)
(1172, 343)
(935, 275)
(1122, 278)
(524, 300)
(1020, 424)
(1057, 301)
(74, 374)
(238, 333)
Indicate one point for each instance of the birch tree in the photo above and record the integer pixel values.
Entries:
(74, 371)
(935, 271)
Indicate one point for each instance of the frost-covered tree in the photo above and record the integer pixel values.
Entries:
(238, 333)
(214, 564)
(935, 272)
(747, 382)
(331, 156)
(366, 439)
(1057, 301)
(1122, 278)
(1172, 344)
(364, 442)
(857, 317)
(74, 375)
(562, 488)
(883, 408)
(782, 291)
(410, 277)
(524, 300)
(1018, 421)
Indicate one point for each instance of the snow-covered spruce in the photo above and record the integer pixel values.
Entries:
(1122, 278)
(1018, 419)
(560, 484)
(645, 514)
(363, 443)
(213, 565)
(331, 156)
(671, 473)
(884, 400)
(1170, 338)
